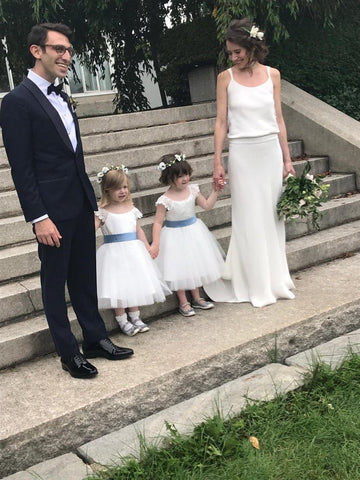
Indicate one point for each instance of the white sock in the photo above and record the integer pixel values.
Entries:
(121, 319)
(134, 315)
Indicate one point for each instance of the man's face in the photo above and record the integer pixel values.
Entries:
(49, 63)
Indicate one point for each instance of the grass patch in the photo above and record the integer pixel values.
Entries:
(311, 433)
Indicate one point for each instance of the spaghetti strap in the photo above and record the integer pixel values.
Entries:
(268, 71)
(231, 74)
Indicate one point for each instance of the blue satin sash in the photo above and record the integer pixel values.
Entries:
(180, 223)
(120, 237)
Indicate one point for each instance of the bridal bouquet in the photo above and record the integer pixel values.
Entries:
(302, 197)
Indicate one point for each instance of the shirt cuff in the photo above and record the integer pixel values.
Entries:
(39, 219)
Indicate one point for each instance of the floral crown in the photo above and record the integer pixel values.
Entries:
(177, 158)
(105, 170)
(255, 33)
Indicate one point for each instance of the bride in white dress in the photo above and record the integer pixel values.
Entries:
(249, 113)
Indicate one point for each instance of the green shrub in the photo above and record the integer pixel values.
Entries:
(323, 62)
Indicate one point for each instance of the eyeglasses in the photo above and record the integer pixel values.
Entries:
(60, 49)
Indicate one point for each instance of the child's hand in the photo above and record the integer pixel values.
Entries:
(219, 185)
(154, 251)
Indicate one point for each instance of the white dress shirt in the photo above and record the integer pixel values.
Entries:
(63, 110)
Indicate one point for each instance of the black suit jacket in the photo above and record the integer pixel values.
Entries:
(49, 177)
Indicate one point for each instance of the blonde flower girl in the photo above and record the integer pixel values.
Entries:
(126, 274)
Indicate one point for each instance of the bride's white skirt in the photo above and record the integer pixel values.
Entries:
(256, 268)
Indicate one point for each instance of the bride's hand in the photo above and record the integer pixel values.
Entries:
(288, 168)
(219, 176)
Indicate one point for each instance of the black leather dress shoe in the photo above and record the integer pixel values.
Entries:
(107, 349)
(79, 367)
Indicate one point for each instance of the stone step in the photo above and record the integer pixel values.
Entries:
(18, 261)
(22, 260)
(146, 179)
(46, 413)
(138, 120)
(23, 298)
(115, 141)
(148, 176)
(319, 247)
(340, 184)
(3, 158)
(134, 121)
(149, 155)
(141, 179)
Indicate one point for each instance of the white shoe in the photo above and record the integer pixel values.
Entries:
(138, 323)
(129, 329)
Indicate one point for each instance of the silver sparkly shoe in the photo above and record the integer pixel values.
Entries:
(202, 304)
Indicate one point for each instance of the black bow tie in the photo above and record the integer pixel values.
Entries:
(57, 89)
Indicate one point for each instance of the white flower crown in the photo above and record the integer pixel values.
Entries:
(177, 158)
(255, 33)
(105, 170)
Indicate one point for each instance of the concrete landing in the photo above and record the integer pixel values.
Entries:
(46, 413)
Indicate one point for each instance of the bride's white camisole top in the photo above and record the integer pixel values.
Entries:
(251, 110)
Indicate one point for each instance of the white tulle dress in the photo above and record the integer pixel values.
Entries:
(126, 274)
(189, 256)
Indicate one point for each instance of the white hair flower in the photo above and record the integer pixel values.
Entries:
(177, 158)
(180, 157)
(105, 170)
(162, 166)
(255, 33)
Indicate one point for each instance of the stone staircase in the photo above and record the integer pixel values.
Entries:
(137, 140)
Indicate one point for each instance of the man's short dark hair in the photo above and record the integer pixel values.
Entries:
(38, 33)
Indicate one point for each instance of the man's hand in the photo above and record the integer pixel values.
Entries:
(47, 233)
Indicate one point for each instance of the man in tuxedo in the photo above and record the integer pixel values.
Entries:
(43, 145)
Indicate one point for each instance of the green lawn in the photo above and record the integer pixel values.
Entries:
(312, 433)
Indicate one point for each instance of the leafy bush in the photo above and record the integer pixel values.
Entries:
(323, 62)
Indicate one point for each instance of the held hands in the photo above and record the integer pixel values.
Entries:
(219, 186)
(154, 251)
(219, 178)
(47, 233)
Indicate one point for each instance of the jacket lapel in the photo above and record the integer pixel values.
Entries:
(50, 110)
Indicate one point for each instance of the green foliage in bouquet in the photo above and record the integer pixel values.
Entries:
(303, 196)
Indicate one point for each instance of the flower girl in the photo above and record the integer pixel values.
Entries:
(187, 254)
(126, 274)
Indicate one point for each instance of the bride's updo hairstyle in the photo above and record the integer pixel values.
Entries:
(238, 32)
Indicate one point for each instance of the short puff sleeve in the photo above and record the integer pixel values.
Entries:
(137, 213)
(194, 189)
(164, 200)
